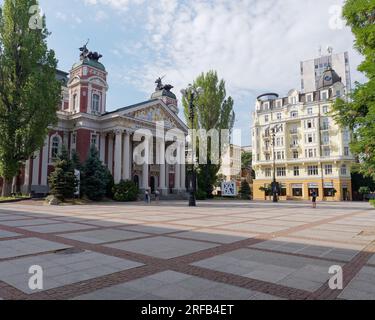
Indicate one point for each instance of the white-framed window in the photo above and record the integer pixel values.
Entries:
(325, 124)
(325, 138)
(278, 116)
(293, 100)
(309, 138)
(278, 104)
(310, 153)
(309, 97)
(266, 118)
(309, 111)
(55, 147)
(95, 104)
(312, 170)
(296, 171)
(281, 171)
(327, 151)
(309, 124)
(344, 170)
(267, 172)
(74, 138)
(328, 169)
(324, 96)
(295, 155)
(346, 151)
(325, 109)
(94, 139)
(294, 114)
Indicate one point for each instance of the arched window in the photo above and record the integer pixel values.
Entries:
(95, 107)
(55, 147)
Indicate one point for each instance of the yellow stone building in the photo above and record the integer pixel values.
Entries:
(296, 139)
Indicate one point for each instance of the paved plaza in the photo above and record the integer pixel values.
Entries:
(219, 250)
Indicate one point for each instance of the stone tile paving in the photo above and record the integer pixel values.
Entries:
(60, 270)
(219, 250)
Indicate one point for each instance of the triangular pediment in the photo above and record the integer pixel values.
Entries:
(155, 113)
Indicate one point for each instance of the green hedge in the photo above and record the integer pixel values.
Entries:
(372, 202)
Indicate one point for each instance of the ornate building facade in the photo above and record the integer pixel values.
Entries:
(83, 120)
(296, 139)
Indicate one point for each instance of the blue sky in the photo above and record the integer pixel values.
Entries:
(255, 45)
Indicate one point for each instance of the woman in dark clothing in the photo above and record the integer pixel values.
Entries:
(313, 196)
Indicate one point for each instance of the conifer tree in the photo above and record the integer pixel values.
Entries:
(62, 180)
(94, 177)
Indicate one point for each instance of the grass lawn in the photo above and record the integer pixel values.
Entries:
(2, 199)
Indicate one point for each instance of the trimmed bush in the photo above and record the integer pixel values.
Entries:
(372, 202)
(125, 191)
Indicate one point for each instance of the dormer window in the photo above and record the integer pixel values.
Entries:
(95, 107)
(309, 98)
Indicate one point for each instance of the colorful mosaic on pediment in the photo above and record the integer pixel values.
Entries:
(155, 114)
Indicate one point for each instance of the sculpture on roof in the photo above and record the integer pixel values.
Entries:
(160, 86)
(86, 54)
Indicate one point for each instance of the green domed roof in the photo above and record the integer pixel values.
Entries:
(89, 62)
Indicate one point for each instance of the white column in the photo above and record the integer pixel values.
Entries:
(102, 147)
(177, 170)
(44, 181)
(35, 180)
(162, 179)
(110, 153)
(126, 157)
(118, 151)
(145, 178)
(183, 168)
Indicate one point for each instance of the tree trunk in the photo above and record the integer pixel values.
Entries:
(7, 188)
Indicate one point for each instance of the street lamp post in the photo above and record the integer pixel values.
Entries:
(191, 93)
(275, 185)
(274, 182)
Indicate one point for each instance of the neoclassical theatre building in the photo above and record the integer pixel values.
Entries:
(83, 120)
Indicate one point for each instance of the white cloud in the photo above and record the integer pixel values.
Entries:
(255, 45)
(100, 16)
(116, 4)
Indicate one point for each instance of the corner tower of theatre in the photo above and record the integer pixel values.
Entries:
(83, 120)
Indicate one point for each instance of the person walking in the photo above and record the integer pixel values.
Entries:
(157, 196)
(147, 197)
(313, 197)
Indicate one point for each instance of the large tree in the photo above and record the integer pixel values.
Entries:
(29, 91)
(358, 112)
(213, 110)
